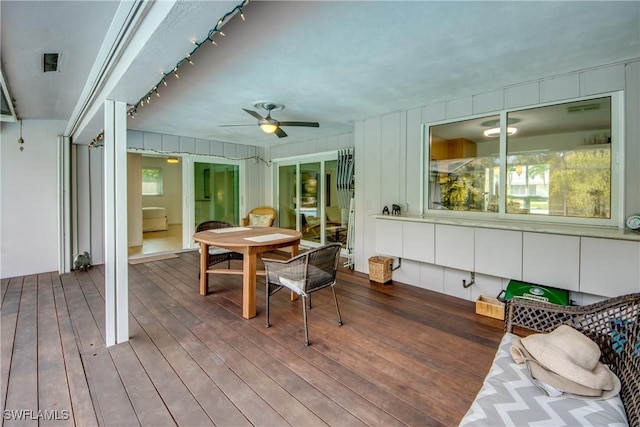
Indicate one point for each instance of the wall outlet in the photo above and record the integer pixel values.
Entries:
(404, 207)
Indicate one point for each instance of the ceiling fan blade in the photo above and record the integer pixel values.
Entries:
(254, 114)
(280, 132)
(304, 124)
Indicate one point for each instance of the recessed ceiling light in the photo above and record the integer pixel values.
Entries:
(496, 131)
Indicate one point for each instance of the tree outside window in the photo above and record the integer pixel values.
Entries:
(152, 182)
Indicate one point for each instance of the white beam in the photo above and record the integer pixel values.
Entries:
(115, 192)
(64, 204)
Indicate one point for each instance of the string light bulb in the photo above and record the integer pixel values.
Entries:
(21, 140)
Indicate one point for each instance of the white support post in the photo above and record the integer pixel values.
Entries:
(115, 219)
(64, 205)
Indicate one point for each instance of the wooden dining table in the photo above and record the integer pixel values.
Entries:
(249, 241)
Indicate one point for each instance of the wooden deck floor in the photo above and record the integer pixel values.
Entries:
(404, 356)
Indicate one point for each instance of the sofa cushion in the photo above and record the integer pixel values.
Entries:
(509, 397)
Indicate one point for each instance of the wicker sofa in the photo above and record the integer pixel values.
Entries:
(614, 324)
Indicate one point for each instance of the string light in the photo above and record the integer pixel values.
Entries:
(97, 141)
(238, 10)
(256, 158)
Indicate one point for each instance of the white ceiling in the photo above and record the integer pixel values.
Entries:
(334, 62)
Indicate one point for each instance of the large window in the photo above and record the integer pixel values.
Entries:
(552, 162)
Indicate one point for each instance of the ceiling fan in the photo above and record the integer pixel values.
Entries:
(271, 125)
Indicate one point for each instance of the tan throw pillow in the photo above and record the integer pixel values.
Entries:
(260, 220)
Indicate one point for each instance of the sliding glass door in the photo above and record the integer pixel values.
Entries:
(216, 192)
(308, 200)
(287, 196)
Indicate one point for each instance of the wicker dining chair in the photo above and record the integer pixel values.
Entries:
(303, 274)
(218, 255)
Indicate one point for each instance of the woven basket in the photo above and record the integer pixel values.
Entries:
(380, 269)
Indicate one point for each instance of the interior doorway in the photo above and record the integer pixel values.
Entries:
(154, 203)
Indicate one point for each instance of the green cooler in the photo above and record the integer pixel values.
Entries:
(535, 292)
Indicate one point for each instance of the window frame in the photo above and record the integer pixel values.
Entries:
(617, 169)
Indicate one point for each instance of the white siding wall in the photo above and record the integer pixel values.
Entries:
(29, 198)
(388, 161)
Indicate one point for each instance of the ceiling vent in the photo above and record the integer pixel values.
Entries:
(583, 107)
(50, 62)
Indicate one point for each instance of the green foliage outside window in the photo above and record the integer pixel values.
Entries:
(151, 182)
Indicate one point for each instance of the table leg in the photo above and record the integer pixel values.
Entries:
(249, 286)
(204, 264)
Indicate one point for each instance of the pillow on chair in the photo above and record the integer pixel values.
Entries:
(260, 220)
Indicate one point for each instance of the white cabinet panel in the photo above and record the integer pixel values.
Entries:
(454, 246)
(551, 259)
(498, 252)
(418, 241)
(389, 237)
(609, 267)
(453, 283)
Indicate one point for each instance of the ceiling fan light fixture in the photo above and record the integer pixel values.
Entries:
(496, 131)
(173, 159)
(268, 127)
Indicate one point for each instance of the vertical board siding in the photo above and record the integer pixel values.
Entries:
(359, 170)
(459, 107)
(170, 143)
(521, 95)
(152, 141)
(390, 162)
(488, 102)
(563, 87)
(413, 170)
(632, 138)
(83, 198)
(605, 79)
(96, 180)
(371, 185)
(187, 145)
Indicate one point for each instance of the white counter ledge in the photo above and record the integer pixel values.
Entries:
(529, 226)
